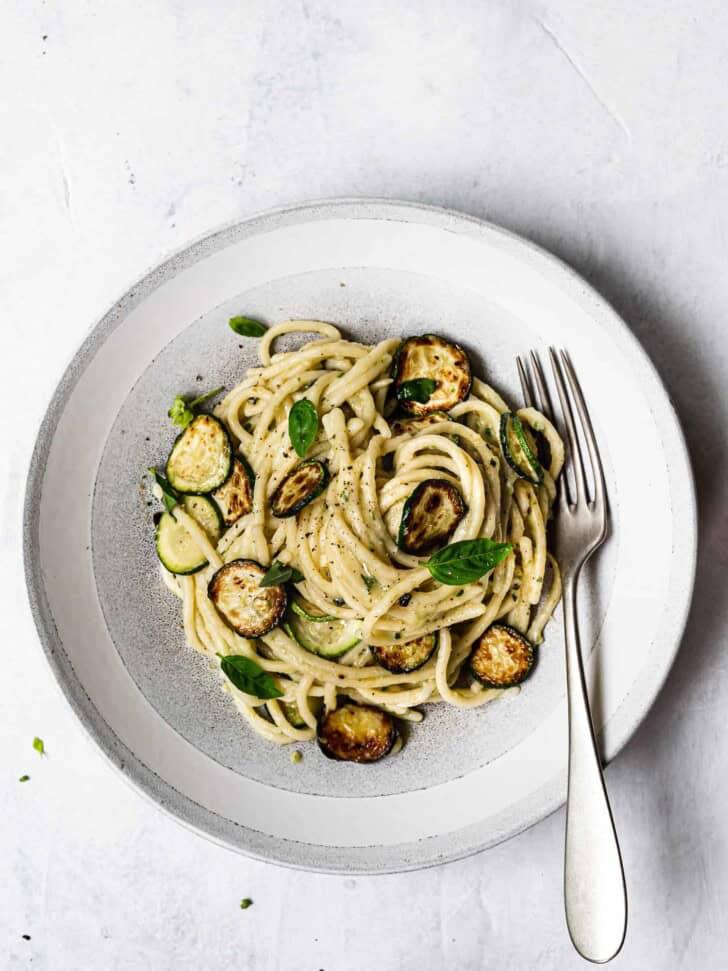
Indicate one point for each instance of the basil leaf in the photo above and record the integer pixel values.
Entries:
(24, 778)
(303, 425)
(179, 412)
(182, 411)
(249, 677)
(245, 903)
(39, 746)
(368, 581)
(170, 499)
(419, 390)
(280, 573)
(247, 327)
(467, 561)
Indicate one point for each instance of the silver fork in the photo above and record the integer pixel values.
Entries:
(595, 895)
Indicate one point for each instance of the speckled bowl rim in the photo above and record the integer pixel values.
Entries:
(433, 850)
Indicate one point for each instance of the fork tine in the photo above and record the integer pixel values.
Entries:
(574, 447)
(591, 441)
(525, 383)
(540, 382)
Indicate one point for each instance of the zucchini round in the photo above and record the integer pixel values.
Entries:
(502, 657)
(430, 516)
(291, 711)
(321, 636)
(202, 457)
(356, 733)
(246, 607)
(517, 450)
(304, 609)
(234, 498)
(401, 657)
(433, 357)
(301, 486)
(206, 513)
(176, 549)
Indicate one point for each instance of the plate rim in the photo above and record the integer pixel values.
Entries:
(132, 769)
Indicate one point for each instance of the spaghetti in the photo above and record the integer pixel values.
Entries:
(345, 542)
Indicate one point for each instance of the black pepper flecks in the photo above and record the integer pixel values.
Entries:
(405, 599)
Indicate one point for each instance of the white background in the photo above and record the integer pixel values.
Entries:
(598, 129)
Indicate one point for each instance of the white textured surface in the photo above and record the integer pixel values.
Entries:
(596, 129)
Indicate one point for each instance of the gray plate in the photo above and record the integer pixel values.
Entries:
(113, 635)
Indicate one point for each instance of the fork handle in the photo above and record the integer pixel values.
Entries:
(594, 889)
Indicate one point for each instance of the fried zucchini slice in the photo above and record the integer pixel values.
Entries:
(292, 712)
(304, 609)
(502, 657)
(322, 635)
(176, 549)
(356, 733)
(301, 486)
(202, 457)
(447, 364)
(246, 607)
(430, 516)
(401, 657)
(517, 450)
(234, 498)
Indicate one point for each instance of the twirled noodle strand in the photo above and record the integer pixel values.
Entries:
(345, 541)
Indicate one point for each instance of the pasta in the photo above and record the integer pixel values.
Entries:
(346, 542)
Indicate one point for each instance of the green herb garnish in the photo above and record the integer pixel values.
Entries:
(249, 677)
(419, 390)
(467, 561)
(245, 903)
(296, 757)
(170, 499)
(247, 327)
(280, 573)
(368, 581)
(303, 425)
(182, 411)
(24, 778)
